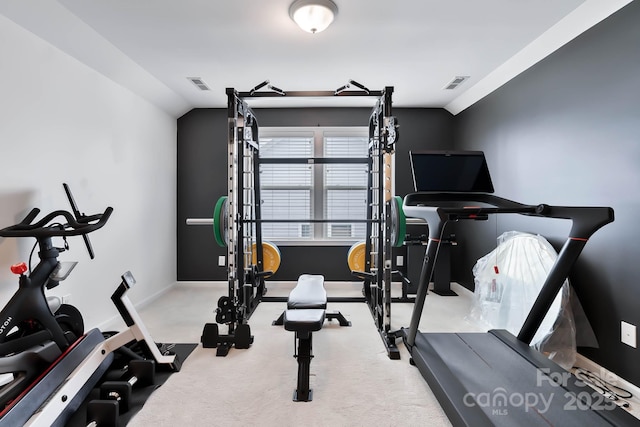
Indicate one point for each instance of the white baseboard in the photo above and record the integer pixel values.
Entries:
(108, 324)
(634, 401)
(201, 283)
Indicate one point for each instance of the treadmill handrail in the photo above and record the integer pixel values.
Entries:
(586, 220)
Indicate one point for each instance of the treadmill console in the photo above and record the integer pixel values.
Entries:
(450, 171)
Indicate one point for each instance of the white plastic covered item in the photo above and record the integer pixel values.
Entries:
(507, 283)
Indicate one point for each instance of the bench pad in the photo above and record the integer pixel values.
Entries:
(308, 293)
(303, 320)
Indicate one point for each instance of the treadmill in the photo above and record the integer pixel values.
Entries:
(495, 378)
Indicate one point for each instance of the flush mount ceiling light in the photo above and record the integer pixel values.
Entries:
(313, 16)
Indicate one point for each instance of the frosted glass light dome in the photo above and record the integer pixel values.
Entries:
(313, 16)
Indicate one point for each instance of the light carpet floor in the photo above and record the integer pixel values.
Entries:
(354, 382)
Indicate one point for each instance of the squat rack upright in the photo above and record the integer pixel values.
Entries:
(241, 224)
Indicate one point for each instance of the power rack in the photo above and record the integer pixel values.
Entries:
(237, 219)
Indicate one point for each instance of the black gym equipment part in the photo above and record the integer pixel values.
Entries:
(358, 85)
(103, 413)
(341, 89)
(305, 314)
(39, 392)
(109, 412)
(378, 273)
(61, 390)
(309, 293)
(450, 171)
(303, 322)
(495, 378)
(32, 337)
(277, 90)
(245, 258)
(259, 86)
(240, 338)
(237, 217)
(140, 373)
(51, 362)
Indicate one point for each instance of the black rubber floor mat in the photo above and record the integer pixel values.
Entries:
(139, 396)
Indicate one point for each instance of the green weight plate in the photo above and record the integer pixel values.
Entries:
(398, 222)
(219, 222)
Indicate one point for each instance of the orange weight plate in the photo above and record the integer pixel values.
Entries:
(270, 256)
(356, 256)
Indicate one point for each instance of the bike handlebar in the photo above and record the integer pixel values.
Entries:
(82, 226)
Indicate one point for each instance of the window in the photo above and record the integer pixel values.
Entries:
(295, 188)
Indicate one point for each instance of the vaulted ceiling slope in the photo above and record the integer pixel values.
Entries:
(153, 47)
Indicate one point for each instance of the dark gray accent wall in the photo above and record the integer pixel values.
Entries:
(567, 132)
(202, 179)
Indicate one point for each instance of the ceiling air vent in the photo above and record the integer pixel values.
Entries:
(199, 83)
(457, 81)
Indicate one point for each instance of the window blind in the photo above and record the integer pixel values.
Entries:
(303, 191)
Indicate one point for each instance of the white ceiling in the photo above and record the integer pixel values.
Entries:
(416, 46)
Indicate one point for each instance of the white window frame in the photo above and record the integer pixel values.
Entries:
(320, 231)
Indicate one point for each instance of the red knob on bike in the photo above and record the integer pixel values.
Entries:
(19, 268)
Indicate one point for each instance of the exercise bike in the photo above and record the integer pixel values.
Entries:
(48, 364)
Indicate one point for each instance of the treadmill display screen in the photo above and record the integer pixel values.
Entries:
(450, 171)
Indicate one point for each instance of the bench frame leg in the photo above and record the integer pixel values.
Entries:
(330, 315)
(279, 321)
(304, 356)
(336, 315)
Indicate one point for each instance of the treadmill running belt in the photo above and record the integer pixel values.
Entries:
(492, 379)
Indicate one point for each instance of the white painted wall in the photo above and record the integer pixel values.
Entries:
(61, 121)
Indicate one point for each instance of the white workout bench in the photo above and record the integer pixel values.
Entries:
(305, 313)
